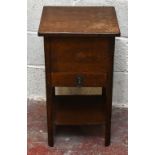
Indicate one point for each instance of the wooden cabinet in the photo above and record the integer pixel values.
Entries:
(79, 50)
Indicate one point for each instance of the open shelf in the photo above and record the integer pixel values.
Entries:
(79, 109)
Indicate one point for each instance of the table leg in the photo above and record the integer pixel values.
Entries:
(108, 111)
(50, 92)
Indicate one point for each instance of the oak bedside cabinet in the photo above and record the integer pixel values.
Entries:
(79, 49)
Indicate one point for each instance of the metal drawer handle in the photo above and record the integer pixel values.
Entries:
(79, 81)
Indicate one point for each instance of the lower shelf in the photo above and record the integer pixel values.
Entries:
(79, 110)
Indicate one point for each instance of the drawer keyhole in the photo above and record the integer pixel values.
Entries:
(79, 81)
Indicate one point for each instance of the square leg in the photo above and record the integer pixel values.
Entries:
(107, 133)
(50, 115)
(108, 111)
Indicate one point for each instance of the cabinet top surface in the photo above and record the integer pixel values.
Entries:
(78, 21)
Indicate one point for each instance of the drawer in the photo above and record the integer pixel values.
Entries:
(81, 54)
(63, 79)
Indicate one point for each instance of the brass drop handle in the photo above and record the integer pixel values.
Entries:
(79, 81)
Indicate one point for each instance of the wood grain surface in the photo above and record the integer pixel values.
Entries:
(78, 20)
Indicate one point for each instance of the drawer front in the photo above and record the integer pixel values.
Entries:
(78, 79)
(81, 54)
